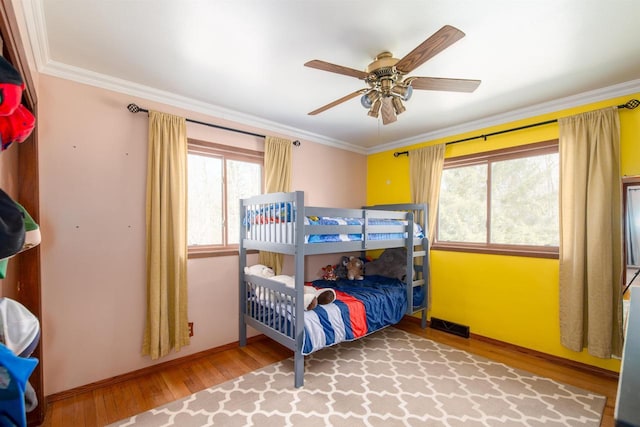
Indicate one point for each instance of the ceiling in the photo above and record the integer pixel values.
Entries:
(243, 60)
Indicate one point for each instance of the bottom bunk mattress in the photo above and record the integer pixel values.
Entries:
(361, 307)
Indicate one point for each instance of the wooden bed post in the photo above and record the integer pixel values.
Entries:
(242, 263)
(299, 257)
(409, 262)
(426, 262)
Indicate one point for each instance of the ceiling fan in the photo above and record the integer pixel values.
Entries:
(385, 77)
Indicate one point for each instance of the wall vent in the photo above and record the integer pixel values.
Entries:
(450, 327)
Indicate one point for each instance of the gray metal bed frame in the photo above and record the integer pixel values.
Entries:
(289, 238)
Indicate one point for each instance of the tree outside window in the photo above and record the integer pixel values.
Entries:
(219, 176)
(504, 201)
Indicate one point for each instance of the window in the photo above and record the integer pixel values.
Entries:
(504, 201)
(219, 176)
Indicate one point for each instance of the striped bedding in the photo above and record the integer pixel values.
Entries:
(361, 307)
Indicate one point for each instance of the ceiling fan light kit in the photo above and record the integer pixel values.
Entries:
(398, 107)
(385, 76)
(375, 108)
(369, 98)
(404, 91)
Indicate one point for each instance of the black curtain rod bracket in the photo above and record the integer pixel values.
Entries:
(629, 105)
(136, 109)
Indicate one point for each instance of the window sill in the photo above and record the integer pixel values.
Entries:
(212, 253)
(521, 251)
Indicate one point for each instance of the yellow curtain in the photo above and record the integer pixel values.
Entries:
(425, 174)
(166, 210)
(277, 171)
(591, 233)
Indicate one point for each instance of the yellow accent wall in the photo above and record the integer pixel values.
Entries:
(508, 298)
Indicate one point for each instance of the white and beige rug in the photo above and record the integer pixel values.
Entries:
(390, 378)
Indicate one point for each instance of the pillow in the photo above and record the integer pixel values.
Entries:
(259, 270)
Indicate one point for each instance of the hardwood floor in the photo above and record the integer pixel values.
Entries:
(104, 405)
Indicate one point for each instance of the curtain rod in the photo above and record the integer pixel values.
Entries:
(135, 109)
(630, 105)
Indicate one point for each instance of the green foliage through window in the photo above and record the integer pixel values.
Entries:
(218, 177)
(507, 198)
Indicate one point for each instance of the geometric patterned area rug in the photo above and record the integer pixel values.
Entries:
(389, 378)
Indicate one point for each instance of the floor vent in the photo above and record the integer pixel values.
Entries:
(450, 327)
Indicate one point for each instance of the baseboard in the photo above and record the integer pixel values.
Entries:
(605, 373)
(145, 371)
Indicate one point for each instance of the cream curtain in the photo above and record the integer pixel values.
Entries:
(425, 174)
(166, 210)
(591, 233)
(277, 172)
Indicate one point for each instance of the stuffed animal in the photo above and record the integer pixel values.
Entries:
(341, 268)
(329, 273)
(391, 263)
(355, 268)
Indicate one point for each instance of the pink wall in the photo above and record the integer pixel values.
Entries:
(92, 187)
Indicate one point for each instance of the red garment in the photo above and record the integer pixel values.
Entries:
(16, 127)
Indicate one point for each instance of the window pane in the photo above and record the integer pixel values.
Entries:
(244, 179)
(462, 210)
(204, 200)
(524, 201)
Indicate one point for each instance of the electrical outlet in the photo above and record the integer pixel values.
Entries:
(190, 329)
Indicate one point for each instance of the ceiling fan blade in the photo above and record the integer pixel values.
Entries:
(337, 102)
(339, 69)
(439, 41)
(449, 85)
(388, 113)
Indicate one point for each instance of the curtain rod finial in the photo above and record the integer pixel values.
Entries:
(133, 108)
(296, 143)
(632, 104)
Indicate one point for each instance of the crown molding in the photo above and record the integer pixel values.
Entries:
(36, 28)
(245, 120)
(573, 101)
(102, 81)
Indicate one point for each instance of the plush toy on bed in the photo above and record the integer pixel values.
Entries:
(329, 273)
(341, 268)
(355, 268)
(391, 263)
(312, 296)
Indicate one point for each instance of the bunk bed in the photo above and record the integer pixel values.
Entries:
(281, 223)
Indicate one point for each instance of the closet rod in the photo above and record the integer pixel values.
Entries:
(135, 109)
(630, 105)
